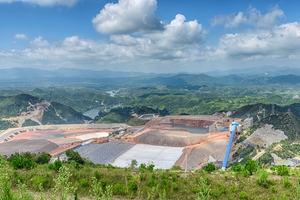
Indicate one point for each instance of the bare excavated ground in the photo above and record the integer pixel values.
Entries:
(33, 146)
(198, 148)
(266, 136)
(172, 138)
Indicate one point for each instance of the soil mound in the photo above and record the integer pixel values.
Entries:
(32, 146)
(199, 155)
(170, 138)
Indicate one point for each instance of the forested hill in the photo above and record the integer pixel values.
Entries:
(258, 111)
(286, 122)
(26, 110)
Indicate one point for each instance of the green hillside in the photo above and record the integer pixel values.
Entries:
(22, 106)
(286, 122)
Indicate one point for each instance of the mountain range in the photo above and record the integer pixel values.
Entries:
(30, 77)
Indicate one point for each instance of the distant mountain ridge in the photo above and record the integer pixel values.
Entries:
(30, 73)
(30, 77)
(261, 71)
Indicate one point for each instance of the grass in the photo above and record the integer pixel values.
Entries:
(165, 184)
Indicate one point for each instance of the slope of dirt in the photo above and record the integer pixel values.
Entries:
(33, 146)
(172, 138)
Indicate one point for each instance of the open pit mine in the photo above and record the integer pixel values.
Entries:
(186, 141)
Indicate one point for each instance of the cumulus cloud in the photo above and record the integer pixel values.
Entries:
(280, 42)
(21, 36)
(251, 17)
(179, 33)
(179, 41)
(44, 2)
(39, 42)
(124, 40)
(127, 17)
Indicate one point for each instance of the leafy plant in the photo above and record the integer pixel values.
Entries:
(63, 187)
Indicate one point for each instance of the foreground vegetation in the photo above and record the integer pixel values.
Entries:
(79, 179)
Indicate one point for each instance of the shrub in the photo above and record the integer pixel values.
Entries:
(210, 167)
(119, 189)
(237, 168)
(223, 189)
(151, 183)
(204, 192)
(282, 170)
(263, 179)
(133, 186)
(243, 195)
(133, 164)
(43, 158)
(287, 183)
(56, 165)
(233, 188)
(84, 183)
(142, 166)
(63, 187)
(215, 193)
(150, 167)
(174, 177)
(273, 189)
(74, 155)
(142, 177)
(251, 166)
(97, 175)
(175, 186)
(23, 160)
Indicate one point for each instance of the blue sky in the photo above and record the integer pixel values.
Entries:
(149, 35)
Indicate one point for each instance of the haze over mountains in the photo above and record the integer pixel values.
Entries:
(32, 77)
(29, 73)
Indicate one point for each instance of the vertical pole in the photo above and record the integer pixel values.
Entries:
(234, 125)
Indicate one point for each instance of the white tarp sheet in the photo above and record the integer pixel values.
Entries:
(161, 156)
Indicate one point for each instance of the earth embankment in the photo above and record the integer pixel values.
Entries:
(172, 138)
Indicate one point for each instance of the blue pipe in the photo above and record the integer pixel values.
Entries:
(234, 125)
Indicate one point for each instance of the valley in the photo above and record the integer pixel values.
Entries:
(166, 125)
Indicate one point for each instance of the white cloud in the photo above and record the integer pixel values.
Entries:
(39, 42)
(280, 42)
(44, 2)
(127, 17)
(21, 36)
(178, 42)
(123, 40)
(251, 17)
(179, 33)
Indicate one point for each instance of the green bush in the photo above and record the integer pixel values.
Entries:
(97, 175)
(84, 183)
(133, 186)
(175, 186)
(287, 183)
(251, 166)
(210, 167)
(215, 193)
(263, 179)
(43, 158)
(75, 156)
(142, 177)
(56, 165)
(22, 160)
(243, 195)
(119, 189)
(282, 170)
(237, 168)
